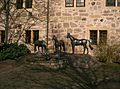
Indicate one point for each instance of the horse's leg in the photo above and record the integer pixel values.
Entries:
(84, 45)
(87, 49)
(42, 49)
(46, 50)
(60, 48)
(57, 49)
(84, 49)
(73, 48)
(34, 48)
(38, 49)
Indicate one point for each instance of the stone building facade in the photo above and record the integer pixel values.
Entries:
(88, 19)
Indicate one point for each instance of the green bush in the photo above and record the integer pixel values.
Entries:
(108, 53)
(13, 51)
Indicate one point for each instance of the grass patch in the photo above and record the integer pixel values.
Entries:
(112, 65)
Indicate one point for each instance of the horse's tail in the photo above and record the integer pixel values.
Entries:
(63, 46)
(90, 41)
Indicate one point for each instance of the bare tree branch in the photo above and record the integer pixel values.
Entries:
(16, 20)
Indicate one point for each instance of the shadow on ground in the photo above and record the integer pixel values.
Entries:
(81, 72)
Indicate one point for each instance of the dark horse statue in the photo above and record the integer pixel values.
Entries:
(41, 44)
(58, 44)
(77, 42)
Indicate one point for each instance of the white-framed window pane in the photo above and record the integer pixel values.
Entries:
(110, 2)
(80, 3)
(69, 3)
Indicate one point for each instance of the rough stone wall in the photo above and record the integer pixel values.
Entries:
(77, 21)
(23, 20)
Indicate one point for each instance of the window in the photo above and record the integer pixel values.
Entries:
(19, 4)
(28, 36)
(110, 2)
(2, 36)
(35, 35)
(69, 3)
(113, 3)
(103, 36)
(80, 3)
(28, 3)
(118, 2)
(31, 36)
(98, 36)
(93, 36)
(3, 4)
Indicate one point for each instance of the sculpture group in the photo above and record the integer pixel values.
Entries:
(60, 44)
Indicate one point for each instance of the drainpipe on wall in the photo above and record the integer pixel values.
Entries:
(47, 19)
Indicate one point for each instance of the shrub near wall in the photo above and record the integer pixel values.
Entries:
(108, 53)
(13, 51)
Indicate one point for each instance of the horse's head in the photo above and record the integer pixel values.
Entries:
(54, 37)
(68, 35)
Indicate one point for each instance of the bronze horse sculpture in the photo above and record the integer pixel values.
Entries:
(77, 42)
(58, 44)
(41, 44)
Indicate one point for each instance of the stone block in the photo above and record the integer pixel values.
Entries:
(69, 18)
(66, 14)
(58, 14)
(106, 11)
(76, 13)
(64, 18)
(107, 14)
(77, 30)
(66, 25)
(77, 18)
(73, 24)
(83, 14)
(82, 10)
(95, 16)
(69, 30)
(60, 62)
(113, 25)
